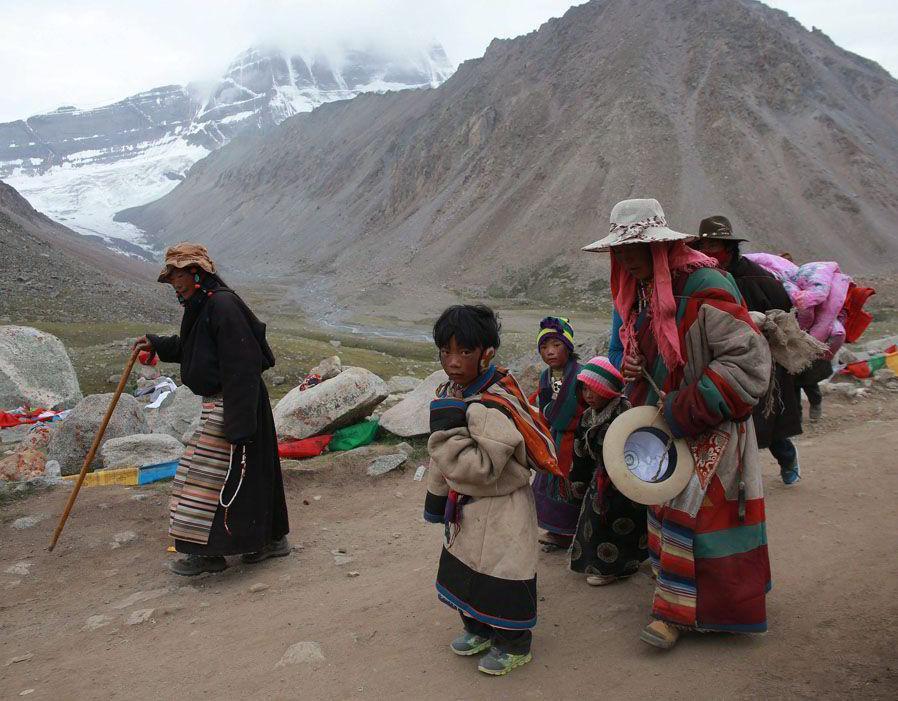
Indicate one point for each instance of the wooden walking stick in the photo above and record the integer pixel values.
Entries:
(93, 449)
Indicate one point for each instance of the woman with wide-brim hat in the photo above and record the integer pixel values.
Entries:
(228, 493)
(689, 342)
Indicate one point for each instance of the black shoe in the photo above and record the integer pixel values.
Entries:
(278, 548)
(193, 565)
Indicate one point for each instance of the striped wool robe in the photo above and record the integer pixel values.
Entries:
(200, 476)
(711, 560)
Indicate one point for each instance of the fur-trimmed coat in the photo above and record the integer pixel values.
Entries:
(708, 545)
(487, 460)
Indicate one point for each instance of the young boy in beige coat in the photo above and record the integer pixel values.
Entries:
(485, 438)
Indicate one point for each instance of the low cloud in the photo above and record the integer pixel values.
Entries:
(96, 51)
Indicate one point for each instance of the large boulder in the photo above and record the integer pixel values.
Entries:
(411, 416)
(35, 370)
(72, 440)
(344, 400)
(179, 414)
(140, 449)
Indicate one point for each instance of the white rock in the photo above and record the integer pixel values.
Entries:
(28, 521)
(20, 568)
(411, 416)
(328, 368)
(258, 586)
(139, 616)
(35, 370)
(72, 440)
(123, 538)
(148, 372)
(97, 621)
(14, 434)
(385, 464)
(179, 416)
(138, 597)
(52, 470)
(402, 384)
(304, 652)
(344, 400)
(845, 389)
(140, 449)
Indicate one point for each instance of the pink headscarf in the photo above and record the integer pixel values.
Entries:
(667, 258)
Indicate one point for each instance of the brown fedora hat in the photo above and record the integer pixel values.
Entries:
(719, 228)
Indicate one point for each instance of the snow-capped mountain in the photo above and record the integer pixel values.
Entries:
(81, 166)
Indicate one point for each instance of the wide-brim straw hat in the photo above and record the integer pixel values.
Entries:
(717, 228)
(185, 255)
(637, 221)
(643, 459)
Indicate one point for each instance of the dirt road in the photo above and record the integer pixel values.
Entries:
(383, 634)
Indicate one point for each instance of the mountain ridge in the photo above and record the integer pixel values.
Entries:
(82, 166)
(494, 180)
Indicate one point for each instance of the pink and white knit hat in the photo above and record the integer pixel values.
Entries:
(602, 377)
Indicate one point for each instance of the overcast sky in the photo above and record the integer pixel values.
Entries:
(90, 52)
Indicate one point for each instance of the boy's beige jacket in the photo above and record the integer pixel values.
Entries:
(487, 461)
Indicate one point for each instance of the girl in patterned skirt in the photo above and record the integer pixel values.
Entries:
(611, 539)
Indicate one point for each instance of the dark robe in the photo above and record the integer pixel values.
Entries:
(612, 538)
(763, 292)
(222, 351)
(556, 511)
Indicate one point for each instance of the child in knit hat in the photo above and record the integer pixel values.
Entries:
(611, 539)
(557, 509)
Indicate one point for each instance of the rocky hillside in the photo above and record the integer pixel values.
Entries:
(495, 179)
(50, 273)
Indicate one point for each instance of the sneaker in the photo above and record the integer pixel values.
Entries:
(193, 565)
(600, 580)
(469, 644)
(792, 474)
(277, 548)
(659, 634)
(815, 412)
(498, 663)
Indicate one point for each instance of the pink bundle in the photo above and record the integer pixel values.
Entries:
(818, 291)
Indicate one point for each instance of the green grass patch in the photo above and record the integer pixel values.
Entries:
(99, 352)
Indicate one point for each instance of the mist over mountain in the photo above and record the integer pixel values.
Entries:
(81, 166)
